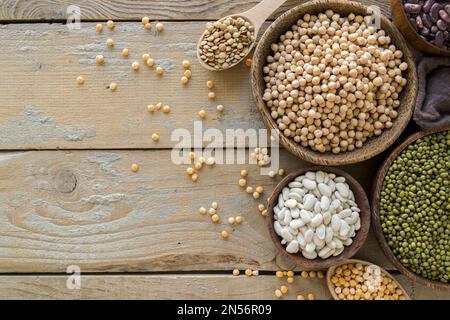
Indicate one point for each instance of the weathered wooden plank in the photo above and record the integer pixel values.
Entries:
(182, 287)
(134, 10)
(60, 208)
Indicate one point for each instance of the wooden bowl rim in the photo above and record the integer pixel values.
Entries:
(375, 205)
(368, 150)
(330, 273)
(401, 14)
(360, 237)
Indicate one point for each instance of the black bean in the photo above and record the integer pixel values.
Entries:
(426, 20)
(441, 24)
(434, 29)
(444, 16)
(446, 35)
(434, 12)
(425, 31)
(447, 8)
(419, 22)
(427, 6)
(439, 39)
(412, 8)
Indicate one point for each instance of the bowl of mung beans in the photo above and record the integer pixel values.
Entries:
(411, 207)
(337, 89)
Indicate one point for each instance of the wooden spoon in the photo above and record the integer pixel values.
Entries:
(256, 16)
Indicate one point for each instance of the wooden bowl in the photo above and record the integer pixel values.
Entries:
(401, 21)
(378, 184)
(358, 240)
(331, 272)
(372, 146)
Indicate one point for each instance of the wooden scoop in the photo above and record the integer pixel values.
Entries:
(256, 16)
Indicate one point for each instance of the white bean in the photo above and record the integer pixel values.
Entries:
(305, 216)
(324, 190)
(292, 247)
(316, 220)
(309, 184)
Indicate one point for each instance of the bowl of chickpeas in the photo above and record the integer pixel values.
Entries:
(338, 84)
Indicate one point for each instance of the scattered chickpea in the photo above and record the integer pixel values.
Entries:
(110, 24)
(155, 137)
(290, 273)
(125, 52)
(211, 95)
(304, 274)
(255, 273)
(186, 64)
(290, 279)
(194, 177)
(135, 167)
(202, 210)
(148, 26)
(160, 27)
(248, 62)
(198, 166)
(113, 86)
(99, 27)
(145, 20)
(135, 66)
(192, 155)
(184, 80)
(281, 172)
(236, 272)
(110, 42)
(261, 207)
(311, 296)
(320, 274)
(210, 84)
(225, 234)
(151, 108)
(190, 171)
(201, 159)
(212, 211)
(244, 173)
(300, 297)
(272, 174)
(202, 114)
(231, 220)
(220, 108)
(238, 219)
(248, 272)
(215, 218)
(278, 293)
(158, 105)
(264, 213)
(284, 289)
(100, 59)
(150, 62)
(242, 182)
(145, 57)
(256, 195)
(188, 74)
(312, 274)
(211, 161)
(159, 71)
(249, 189)
(259, 189)
(166, 109)
(279, 274)
(80, 80)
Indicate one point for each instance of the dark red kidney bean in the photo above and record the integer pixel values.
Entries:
(439, 39)
(413, 23)
(412, 8)
(447, 8)
(427, 6)
(441, 24)
(434, 12)
(444, 16)
(425, 31)
(434, 29)
(446, 35)
(419, 22)
(426, 20)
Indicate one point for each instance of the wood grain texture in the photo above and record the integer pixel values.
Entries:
(42, 107)
(183, 287)
(18, 10)
(59, 208)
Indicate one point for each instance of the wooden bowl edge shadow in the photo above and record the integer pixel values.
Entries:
(401, 21)
(331, 270)
(376, 224)
(374, 145)
(359, 239)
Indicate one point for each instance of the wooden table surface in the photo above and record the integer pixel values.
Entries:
(67, 196)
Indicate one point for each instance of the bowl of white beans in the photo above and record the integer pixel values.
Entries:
(338, 86)
(318, 216)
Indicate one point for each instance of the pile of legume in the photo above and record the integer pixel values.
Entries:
(226, 42)
(358, 282)
(415, 207)
(333, 82)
